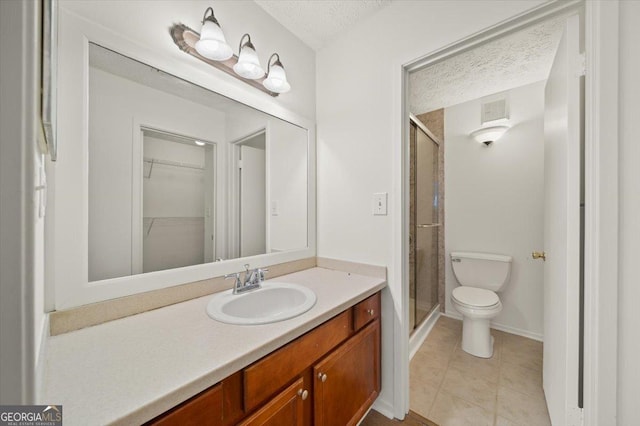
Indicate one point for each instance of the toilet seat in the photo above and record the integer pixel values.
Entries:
(475, 298)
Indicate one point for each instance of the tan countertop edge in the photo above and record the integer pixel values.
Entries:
(110, 369)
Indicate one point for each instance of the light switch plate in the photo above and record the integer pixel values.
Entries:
(380, 204)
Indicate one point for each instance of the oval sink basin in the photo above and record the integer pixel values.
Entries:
(273, 302)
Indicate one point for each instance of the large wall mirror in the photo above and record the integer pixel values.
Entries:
(180, 175)
(160, 179)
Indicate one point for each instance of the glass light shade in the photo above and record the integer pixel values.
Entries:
(276, 81)
(488, 135)
(212, 44)
(248, 65)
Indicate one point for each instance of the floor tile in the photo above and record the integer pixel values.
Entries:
(421, 397)
(452, 387)
(521, 408)
(501, 421)
(484, 368)
(468, 386)
(450, 323)
(449, 410)
(425, 368)
(521, 379)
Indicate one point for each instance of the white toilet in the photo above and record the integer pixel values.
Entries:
(480, 276)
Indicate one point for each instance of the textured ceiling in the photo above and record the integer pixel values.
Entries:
(512, 61)
(316, 22)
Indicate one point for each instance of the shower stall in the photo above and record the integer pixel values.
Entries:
(424, 223)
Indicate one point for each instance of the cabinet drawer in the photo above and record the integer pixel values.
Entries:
(272, 372)
(366, 311)
(203, 409)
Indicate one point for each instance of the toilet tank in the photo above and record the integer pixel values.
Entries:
(481, 270)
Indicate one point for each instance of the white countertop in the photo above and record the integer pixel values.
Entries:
(130, 370)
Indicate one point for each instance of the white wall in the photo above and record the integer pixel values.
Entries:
(117, 108)
(22, 317)
(629, 243)
(287, 153)
(495, 201)
(359, 84)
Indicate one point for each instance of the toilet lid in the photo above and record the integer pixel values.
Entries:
(476, 297)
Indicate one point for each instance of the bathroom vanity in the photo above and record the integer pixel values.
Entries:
(330, 375)
(175, 365)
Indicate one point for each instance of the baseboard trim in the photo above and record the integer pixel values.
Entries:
(419, 336)
(502, 327)
(383, 407)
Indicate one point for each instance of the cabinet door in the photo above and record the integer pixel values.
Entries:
(348, 380)
(287, 408)
(203, 409)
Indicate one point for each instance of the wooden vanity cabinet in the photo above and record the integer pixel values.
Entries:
(348, 380)
(203, 409)
(287, 408)
(330, 376)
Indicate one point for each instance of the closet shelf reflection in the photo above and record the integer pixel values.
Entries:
(152, 161)
(148, 222)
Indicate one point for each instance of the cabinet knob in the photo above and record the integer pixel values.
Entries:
(370, 312)
(322, 377)
(304, 394)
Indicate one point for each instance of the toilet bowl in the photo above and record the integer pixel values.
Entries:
(480, 276)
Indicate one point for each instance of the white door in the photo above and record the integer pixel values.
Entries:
(562, 126)
(253, 211)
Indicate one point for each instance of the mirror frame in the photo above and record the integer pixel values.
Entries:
(66, 222)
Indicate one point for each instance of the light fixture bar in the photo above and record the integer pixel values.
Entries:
(186, 38)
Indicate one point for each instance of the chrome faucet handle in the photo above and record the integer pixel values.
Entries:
(261, 274)
(237, 284)
(249, 276)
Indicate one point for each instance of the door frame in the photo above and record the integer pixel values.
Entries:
(233, 197)
(601, 193)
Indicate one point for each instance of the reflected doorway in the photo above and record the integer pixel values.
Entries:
(252, 208)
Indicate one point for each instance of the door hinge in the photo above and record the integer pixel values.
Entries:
(239, 164)
(581, 65)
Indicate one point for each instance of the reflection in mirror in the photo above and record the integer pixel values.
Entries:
(180, 175)
(178, 193)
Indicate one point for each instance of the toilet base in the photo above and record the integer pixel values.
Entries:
(476, 337)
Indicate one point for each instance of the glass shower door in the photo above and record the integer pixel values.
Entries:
(425, 224)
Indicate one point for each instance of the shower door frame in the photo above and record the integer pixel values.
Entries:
(416, 326)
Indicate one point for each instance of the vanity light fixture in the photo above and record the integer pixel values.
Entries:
(212, 44)
(276, 80)
(488, 135)
(211, 48)
(248, 65)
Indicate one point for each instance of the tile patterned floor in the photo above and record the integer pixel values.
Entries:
(412, 419)
(451, 387)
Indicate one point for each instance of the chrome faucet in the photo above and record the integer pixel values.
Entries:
(252, 280)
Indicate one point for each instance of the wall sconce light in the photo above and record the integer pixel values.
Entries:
(212, 44)
(488, 135)
(248, 65)
(211, 47)
(276, 80)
